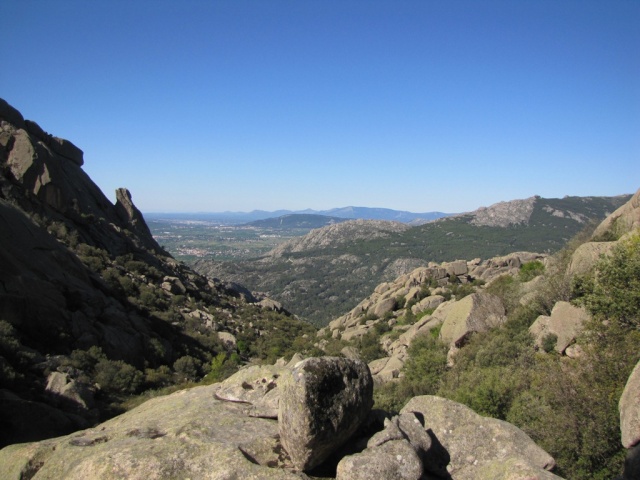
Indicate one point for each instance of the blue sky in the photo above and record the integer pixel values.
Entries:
(412, 105)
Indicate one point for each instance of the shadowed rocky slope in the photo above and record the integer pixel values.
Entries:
(87, 293)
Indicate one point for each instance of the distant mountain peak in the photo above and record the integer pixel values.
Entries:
(503, 214)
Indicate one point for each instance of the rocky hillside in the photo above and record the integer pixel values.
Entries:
(92, 310)
(543, 341)
(327, 272)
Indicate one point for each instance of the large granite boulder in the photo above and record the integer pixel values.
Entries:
(402, 450)
(623, 220)
(566, 322)
(478, 312)
(385, 369)
(322, 403)
(393, 460)
(629, 407)
(384, 306)
(479, 445)
(587, 255)
(188, 434)
(70, 391)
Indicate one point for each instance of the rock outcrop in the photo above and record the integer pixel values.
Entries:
(478, 446)
(629, 407)
(565, 324)
(478, 312)
(630, 410)
(406, 429)
(586, 256)
(411, 287)
(623, 220)
(428, 293)
(503, 214)
(65, 389)
(620, 223)
(395, 459)
(213, 432)
(322, 403)
(189, 434)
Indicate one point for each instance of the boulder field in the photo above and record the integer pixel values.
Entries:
(310, 418)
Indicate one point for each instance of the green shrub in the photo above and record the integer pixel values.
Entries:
(390, 397)
(423, 372)
(116, 376)
(94, 258)
(426, 365)
(491, 370)
(86, 360)
(158, 377)
(128, 287)
(489, 391)
(9, 343)
(508, 289)
(13, 356)
(461, 290)
(187, 368)
(369, 316)
(381, 327)
(369, 346)
(530, 270)
(613, 292)
(425, 313)
(425, 291)
(571, 409)
(400, 302)
(222, 366)
(409, 318)
(549, 342)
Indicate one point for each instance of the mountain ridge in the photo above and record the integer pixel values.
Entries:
(322, 274)
(349, 212)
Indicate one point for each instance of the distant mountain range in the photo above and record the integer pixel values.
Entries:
(346, 213)
(297, 220)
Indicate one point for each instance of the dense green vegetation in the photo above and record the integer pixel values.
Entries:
(568, 406)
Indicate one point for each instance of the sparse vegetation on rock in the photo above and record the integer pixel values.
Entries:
(556, 367)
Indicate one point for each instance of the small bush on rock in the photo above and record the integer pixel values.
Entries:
(530, 270)
(116, 376)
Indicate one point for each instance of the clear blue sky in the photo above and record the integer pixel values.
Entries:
(413, 105)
